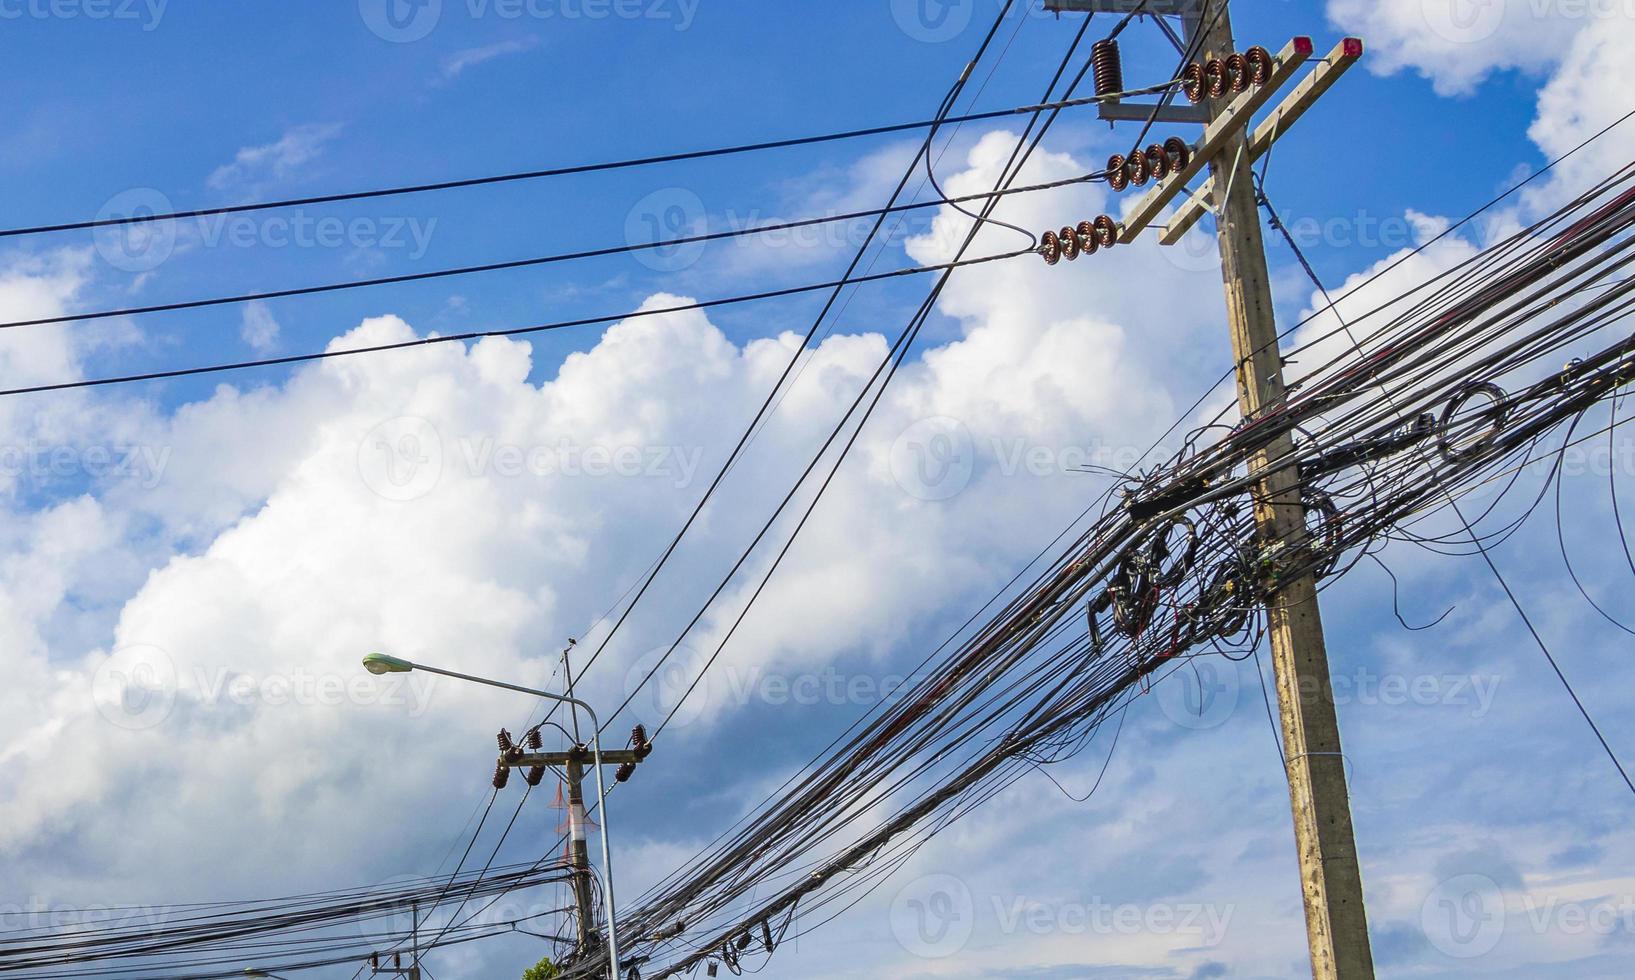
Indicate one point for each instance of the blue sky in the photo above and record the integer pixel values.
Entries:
(252, 534)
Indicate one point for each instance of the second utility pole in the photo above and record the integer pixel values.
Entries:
(1336, 924)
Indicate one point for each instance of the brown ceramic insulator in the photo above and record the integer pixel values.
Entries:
(1192, 83)
(1118, 175)
(1158, 161)
(1050, 248)
(1069, 243)
(1109, 67)
(1089, 244)
(1180, 153)
(1259, 62)
(1237, 73)
(1140, 172)
(1106, 231)
(1215, 80)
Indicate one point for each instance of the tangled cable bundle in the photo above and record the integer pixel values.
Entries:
(1428, 405)
(214, 940)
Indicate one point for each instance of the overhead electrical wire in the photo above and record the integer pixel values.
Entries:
(217, 368)
(1173, 572)
(849, 278)
(1030, 688)
(565, 171)
(533, 262)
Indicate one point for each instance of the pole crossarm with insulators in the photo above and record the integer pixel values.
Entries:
(1224, 132)
(380, 663)
(1277, 123)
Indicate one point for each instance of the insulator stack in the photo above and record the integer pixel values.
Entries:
(1085, 238)
(502, 775)
(504, 740)
(624, 772)
(1215, 78)
(1156, 162)
(1109, 67)
(535, 775)
(535, 742)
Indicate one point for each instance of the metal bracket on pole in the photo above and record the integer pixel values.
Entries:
(1231, 121)
(1191, 14)
(1328, 71)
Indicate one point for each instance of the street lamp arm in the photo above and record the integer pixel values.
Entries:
(563, 698)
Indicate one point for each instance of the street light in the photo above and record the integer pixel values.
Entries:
(380, 663)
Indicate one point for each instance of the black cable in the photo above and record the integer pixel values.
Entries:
(586, 168)
(480, 334)
(536, 261)
(1481, 546)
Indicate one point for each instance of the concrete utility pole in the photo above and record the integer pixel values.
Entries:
(1331, 877)
(573, 763)
(1330, 874)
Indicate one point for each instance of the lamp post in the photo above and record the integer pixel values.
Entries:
(380, 663)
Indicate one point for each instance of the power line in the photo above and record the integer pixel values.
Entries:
(1476, 540)
(586, 168)
(541, 260)
(943, 109)
(510, 332)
